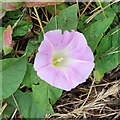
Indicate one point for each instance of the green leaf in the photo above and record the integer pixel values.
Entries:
(32, 47)
(13, 14)
(108, 12)
(1, 37)
(30, 76)
(13, 71)
(81, 26)
(95, 32)
(108, 53)
(98, 76)
(105, 45)
(22, 28)
(66, 20)
(106, 63)
(46, 95)
(116, 7)
(27, 104)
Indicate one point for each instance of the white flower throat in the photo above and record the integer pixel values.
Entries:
(58, 58)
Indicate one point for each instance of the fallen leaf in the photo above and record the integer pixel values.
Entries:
(7, 40)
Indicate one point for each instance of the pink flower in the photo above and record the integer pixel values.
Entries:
(64, 60)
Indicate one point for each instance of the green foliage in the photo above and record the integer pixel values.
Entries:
(81, 27)
(42, 92)
(46, 95)
(116, 7)
(102, 37)
(13, 14)
(66, 20)
(13, 71)
(95, 32)
(107, 53)
(108, 12)
(1, 37)
(32, 47)
(30, 76)
(8, 111)
(27, 104)
(21, 27)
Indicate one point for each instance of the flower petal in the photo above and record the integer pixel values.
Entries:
(42, 60)
(71, 56)
(79, 72)
(55, 77)
(67, 38)
(78, 48)
(58, 40)
(84, 54)
(55, 37)
(78, 42)
(45, 46)
(44, 56)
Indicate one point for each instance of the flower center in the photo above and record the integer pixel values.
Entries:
(57, 62)
(59, 58)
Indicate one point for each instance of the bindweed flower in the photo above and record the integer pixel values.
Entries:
(64, 60)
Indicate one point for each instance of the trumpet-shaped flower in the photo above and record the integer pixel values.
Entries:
(64, 60)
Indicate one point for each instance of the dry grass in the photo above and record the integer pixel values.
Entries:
(95, 101)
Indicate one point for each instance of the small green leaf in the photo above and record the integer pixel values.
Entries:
(1, 37)
(22, 28)
(95, 32)
(108, 53)
(13, 14)
(13, 71)
(46, 95)
(32, 47)
(30, 76)
(98, 76)
(27, 104)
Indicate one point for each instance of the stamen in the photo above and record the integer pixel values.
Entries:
(59, 60)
